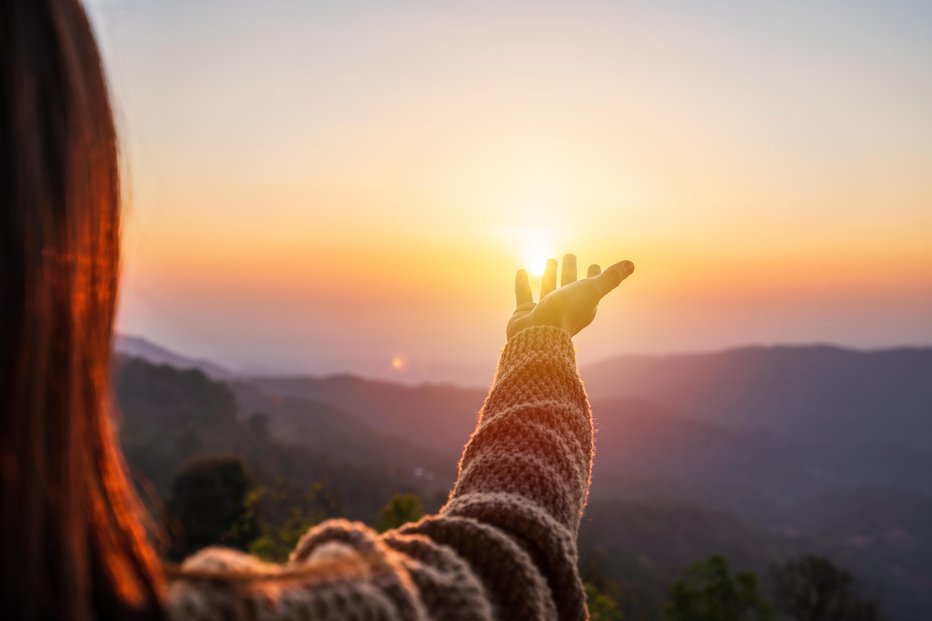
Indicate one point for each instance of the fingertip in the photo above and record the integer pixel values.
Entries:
(523, 293)
(611, 277)
(568, 273)
(521, 280)
(548, 281)
(622, 268)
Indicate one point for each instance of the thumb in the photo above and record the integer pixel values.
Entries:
(612, 277)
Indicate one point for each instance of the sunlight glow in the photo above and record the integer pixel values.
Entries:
(534, 256)
(381, 199)
(536, 264)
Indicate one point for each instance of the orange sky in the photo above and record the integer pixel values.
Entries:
(317, 188)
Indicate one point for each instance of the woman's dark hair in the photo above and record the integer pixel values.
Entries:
(71, 539)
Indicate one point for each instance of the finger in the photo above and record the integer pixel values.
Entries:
(548, 282)
(612, 277)
(523, 295)
(594, 270)
(568, 273)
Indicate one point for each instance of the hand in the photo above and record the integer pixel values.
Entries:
(572, 307)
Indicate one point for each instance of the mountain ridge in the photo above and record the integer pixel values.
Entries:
(146, 348)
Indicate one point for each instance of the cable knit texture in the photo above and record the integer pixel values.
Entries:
(502, 547)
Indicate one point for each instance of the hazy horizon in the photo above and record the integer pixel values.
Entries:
(312, 185)
(478, 376)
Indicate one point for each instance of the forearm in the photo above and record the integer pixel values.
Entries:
(534, 436)
(514, 511)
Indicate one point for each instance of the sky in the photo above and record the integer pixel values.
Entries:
(316, 187)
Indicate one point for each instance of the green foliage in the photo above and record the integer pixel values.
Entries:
(400, 509)
(708, 591)
(207, 507)
(812, 588)
(601, 606)
(277, 542)
(284, 514)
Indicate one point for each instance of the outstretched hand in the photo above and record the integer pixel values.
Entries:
(572, 306)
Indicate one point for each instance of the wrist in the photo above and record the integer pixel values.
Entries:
(530, 321)
(538, 338)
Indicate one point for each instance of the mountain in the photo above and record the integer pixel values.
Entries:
(646, 451)
(323, 429)
(799, 391)
(853, 416)
(138, 347)
(439, 417)
(170, 417)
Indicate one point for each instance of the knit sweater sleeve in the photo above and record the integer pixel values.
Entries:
(515, 508)
(502, 547)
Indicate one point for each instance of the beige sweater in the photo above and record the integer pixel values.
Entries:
(502, 547)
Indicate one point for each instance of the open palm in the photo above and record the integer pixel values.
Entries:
(573, 305)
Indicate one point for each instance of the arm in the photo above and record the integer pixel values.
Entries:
(514, 511)
(504, 545)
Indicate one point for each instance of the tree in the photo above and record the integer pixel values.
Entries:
(277, 542)
(207, 507)
(601, 606)
(812, 588)
(606, 599)
(284, 514)
(399, 510)
(709, 592)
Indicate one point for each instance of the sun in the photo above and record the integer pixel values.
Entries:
(537, 264)
(534, 259)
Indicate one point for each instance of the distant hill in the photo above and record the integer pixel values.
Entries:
(324, 429)
(169, 417)
(138, 347)
(853, 416)
(646, 451)
(795, 391)
(436, 416)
